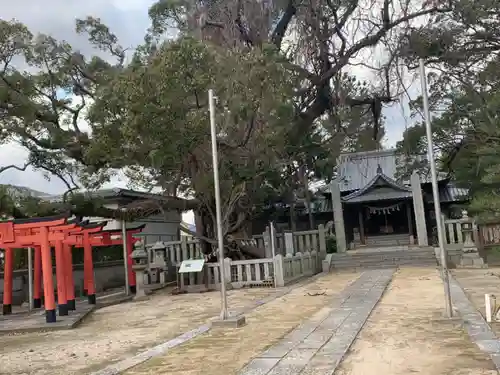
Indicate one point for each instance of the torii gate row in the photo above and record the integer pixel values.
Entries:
(61, 233)
(86, 236)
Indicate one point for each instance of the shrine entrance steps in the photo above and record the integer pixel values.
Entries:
(385, 240)
(384, 257)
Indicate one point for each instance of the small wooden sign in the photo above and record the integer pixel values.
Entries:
(191, 265)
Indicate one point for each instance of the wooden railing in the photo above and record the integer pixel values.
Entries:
(303, 242)
(250, 272)
(454, 237)
(489, 234)
(300, 265)
(279, 271)
(482, 235)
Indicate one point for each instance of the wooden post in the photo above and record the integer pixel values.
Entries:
(7, 281)
(70, 283)
(131, 274)
(266, 236)
(361, 227)
(61, 279)
(322, 240)
(184, 249)
(37, 278)
(87, 254)
(410, 221)
(48, 281)
(289, 245)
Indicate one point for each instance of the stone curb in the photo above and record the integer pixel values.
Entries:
(479, 331)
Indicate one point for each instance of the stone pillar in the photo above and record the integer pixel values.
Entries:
(278, 271)
(338, 217)
(227, 270)
(322, 241)
(289, 244)
(267, 242)
(418, 207)
(140, 282)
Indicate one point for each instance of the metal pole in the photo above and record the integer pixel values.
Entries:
(273, 248)
(435, 192)
(223, 313)
(125, 256)
(30, 278)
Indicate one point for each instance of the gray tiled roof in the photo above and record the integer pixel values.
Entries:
(453, 194)
(111, 194)
(356, 170)
(395, 190)
(447, 194)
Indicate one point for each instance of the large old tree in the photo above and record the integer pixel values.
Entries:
(282, 71)
(462, 50)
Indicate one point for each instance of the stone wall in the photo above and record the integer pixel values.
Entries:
(108, 275)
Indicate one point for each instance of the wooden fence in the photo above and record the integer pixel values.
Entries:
(483, 235)
(303, 242)
(278, 271)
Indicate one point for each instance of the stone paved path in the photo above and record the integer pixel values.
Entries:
(317, 347)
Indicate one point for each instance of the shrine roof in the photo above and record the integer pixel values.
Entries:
(112, 194)
(94, 225)
(32, 220)
(355, 170)
(369, 192)
(137, 227)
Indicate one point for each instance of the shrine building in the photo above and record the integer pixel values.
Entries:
(373, 206)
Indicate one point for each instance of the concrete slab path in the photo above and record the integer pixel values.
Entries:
(317, 346)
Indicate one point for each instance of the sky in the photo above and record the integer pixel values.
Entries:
(128, 20)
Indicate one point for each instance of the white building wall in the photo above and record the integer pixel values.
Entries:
(162, 227)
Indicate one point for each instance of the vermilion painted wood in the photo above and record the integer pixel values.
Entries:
(42, 233)
(7, 279)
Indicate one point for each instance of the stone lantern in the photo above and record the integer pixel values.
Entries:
(139, 264)
(470, 255)
(467, 228)
(160, 256)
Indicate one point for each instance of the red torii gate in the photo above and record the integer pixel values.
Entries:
(57, 231)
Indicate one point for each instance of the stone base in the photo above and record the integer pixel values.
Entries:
(139, 298)
(231, 322)
(195, 289)
(443, 318)
(471, 260)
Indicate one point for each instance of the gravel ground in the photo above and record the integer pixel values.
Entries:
(406, 334)
(225, 351)
(115, 332)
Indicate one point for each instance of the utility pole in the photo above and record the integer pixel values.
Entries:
(435, 192)
(224, 313)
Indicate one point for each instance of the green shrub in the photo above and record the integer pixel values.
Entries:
(331, 244)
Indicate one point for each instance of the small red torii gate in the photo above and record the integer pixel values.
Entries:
(45, 232)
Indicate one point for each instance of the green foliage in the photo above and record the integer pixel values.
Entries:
(283, 113)
(464, 96)
(153, 120)
(331, 244)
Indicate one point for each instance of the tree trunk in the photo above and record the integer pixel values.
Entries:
(293, 217)
(307, 196)
(202, 229)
